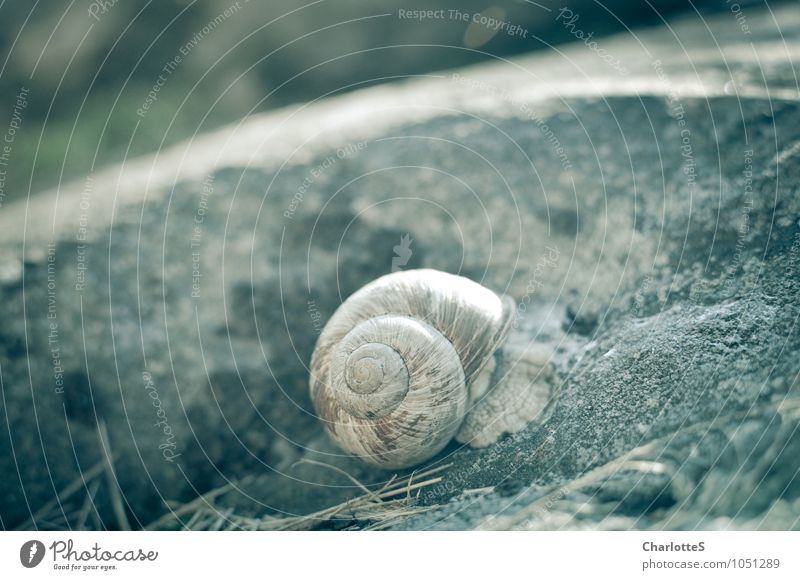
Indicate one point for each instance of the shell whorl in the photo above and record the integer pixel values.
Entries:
(391, 368)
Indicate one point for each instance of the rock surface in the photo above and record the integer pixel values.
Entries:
(647, 224)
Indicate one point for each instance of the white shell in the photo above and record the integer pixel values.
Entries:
(392, 369)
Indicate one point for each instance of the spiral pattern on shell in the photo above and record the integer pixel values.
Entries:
(391, 369)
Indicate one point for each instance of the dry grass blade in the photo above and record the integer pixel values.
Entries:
(372, 510)
(88, 505)
(111, 478)
(361, 486)
(409, 488)
(65, 494)
(193, 507)
(415, 475)
(478, 491)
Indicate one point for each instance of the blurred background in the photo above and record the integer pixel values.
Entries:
(673, 304)
(112, 79)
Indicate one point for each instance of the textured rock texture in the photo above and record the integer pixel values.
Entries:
(647, 225)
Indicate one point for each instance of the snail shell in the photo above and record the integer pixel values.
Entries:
(392, 369)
